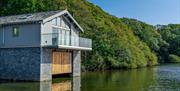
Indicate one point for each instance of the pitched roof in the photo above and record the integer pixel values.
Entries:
(27, 17)
(33, 17)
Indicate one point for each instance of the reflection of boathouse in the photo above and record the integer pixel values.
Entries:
(65, 85)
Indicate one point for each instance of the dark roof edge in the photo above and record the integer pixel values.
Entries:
(25, 22)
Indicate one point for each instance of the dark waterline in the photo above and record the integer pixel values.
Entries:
(160, 78)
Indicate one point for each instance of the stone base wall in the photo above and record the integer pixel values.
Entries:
(33, 64)
(46, 63)
(20, 63)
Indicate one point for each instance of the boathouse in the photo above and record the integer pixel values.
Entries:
(36, 46)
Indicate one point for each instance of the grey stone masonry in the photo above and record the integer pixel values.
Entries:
(46, 60)
(20, 63)
(32, 63)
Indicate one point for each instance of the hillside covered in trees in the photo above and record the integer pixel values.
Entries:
(117, 43)
(164, 40)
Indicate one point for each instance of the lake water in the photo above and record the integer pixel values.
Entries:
(160, 78)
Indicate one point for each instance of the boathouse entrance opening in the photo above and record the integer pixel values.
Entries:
(61, 62)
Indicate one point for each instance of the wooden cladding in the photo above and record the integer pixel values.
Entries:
(61, 62)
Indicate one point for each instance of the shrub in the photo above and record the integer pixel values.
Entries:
(174, 58)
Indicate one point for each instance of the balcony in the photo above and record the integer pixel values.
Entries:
(65, 41)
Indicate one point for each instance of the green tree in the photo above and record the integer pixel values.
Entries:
(114, 44)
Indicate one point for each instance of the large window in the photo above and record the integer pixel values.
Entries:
(54, 21)
(16, 31)
(55, 36)
(58, 21)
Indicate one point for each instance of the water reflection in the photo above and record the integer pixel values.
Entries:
(161, 78)
(63, 85)
(128, 80)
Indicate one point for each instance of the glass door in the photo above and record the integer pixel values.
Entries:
(67, 38)
(55, 36)
(63, 41)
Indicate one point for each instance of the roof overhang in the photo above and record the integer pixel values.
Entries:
(69, 47)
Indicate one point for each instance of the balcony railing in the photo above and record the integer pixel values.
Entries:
(56, 39)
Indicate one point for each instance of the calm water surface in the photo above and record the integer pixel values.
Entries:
(161, 78)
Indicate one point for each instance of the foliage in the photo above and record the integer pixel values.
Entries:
(171, 34)
(114, 44)
(148, 34)
(162, 39)
(174, 58)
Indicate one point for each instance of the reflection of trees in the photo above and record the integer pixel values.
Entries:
(163, 78)
(12, 86)
(129, 80)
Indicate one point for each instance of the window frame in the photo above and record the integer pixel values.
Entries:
(16, 31)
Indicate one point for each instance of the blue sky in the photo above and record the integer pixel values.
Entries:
(150, 11)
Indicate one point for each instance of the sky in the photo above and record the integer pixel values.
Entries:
(149, 11)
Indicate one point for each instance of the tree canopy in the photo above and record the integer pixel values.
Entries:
(117, 43)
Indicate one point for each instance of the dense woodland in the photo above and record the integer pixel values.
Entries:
(117, 42)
